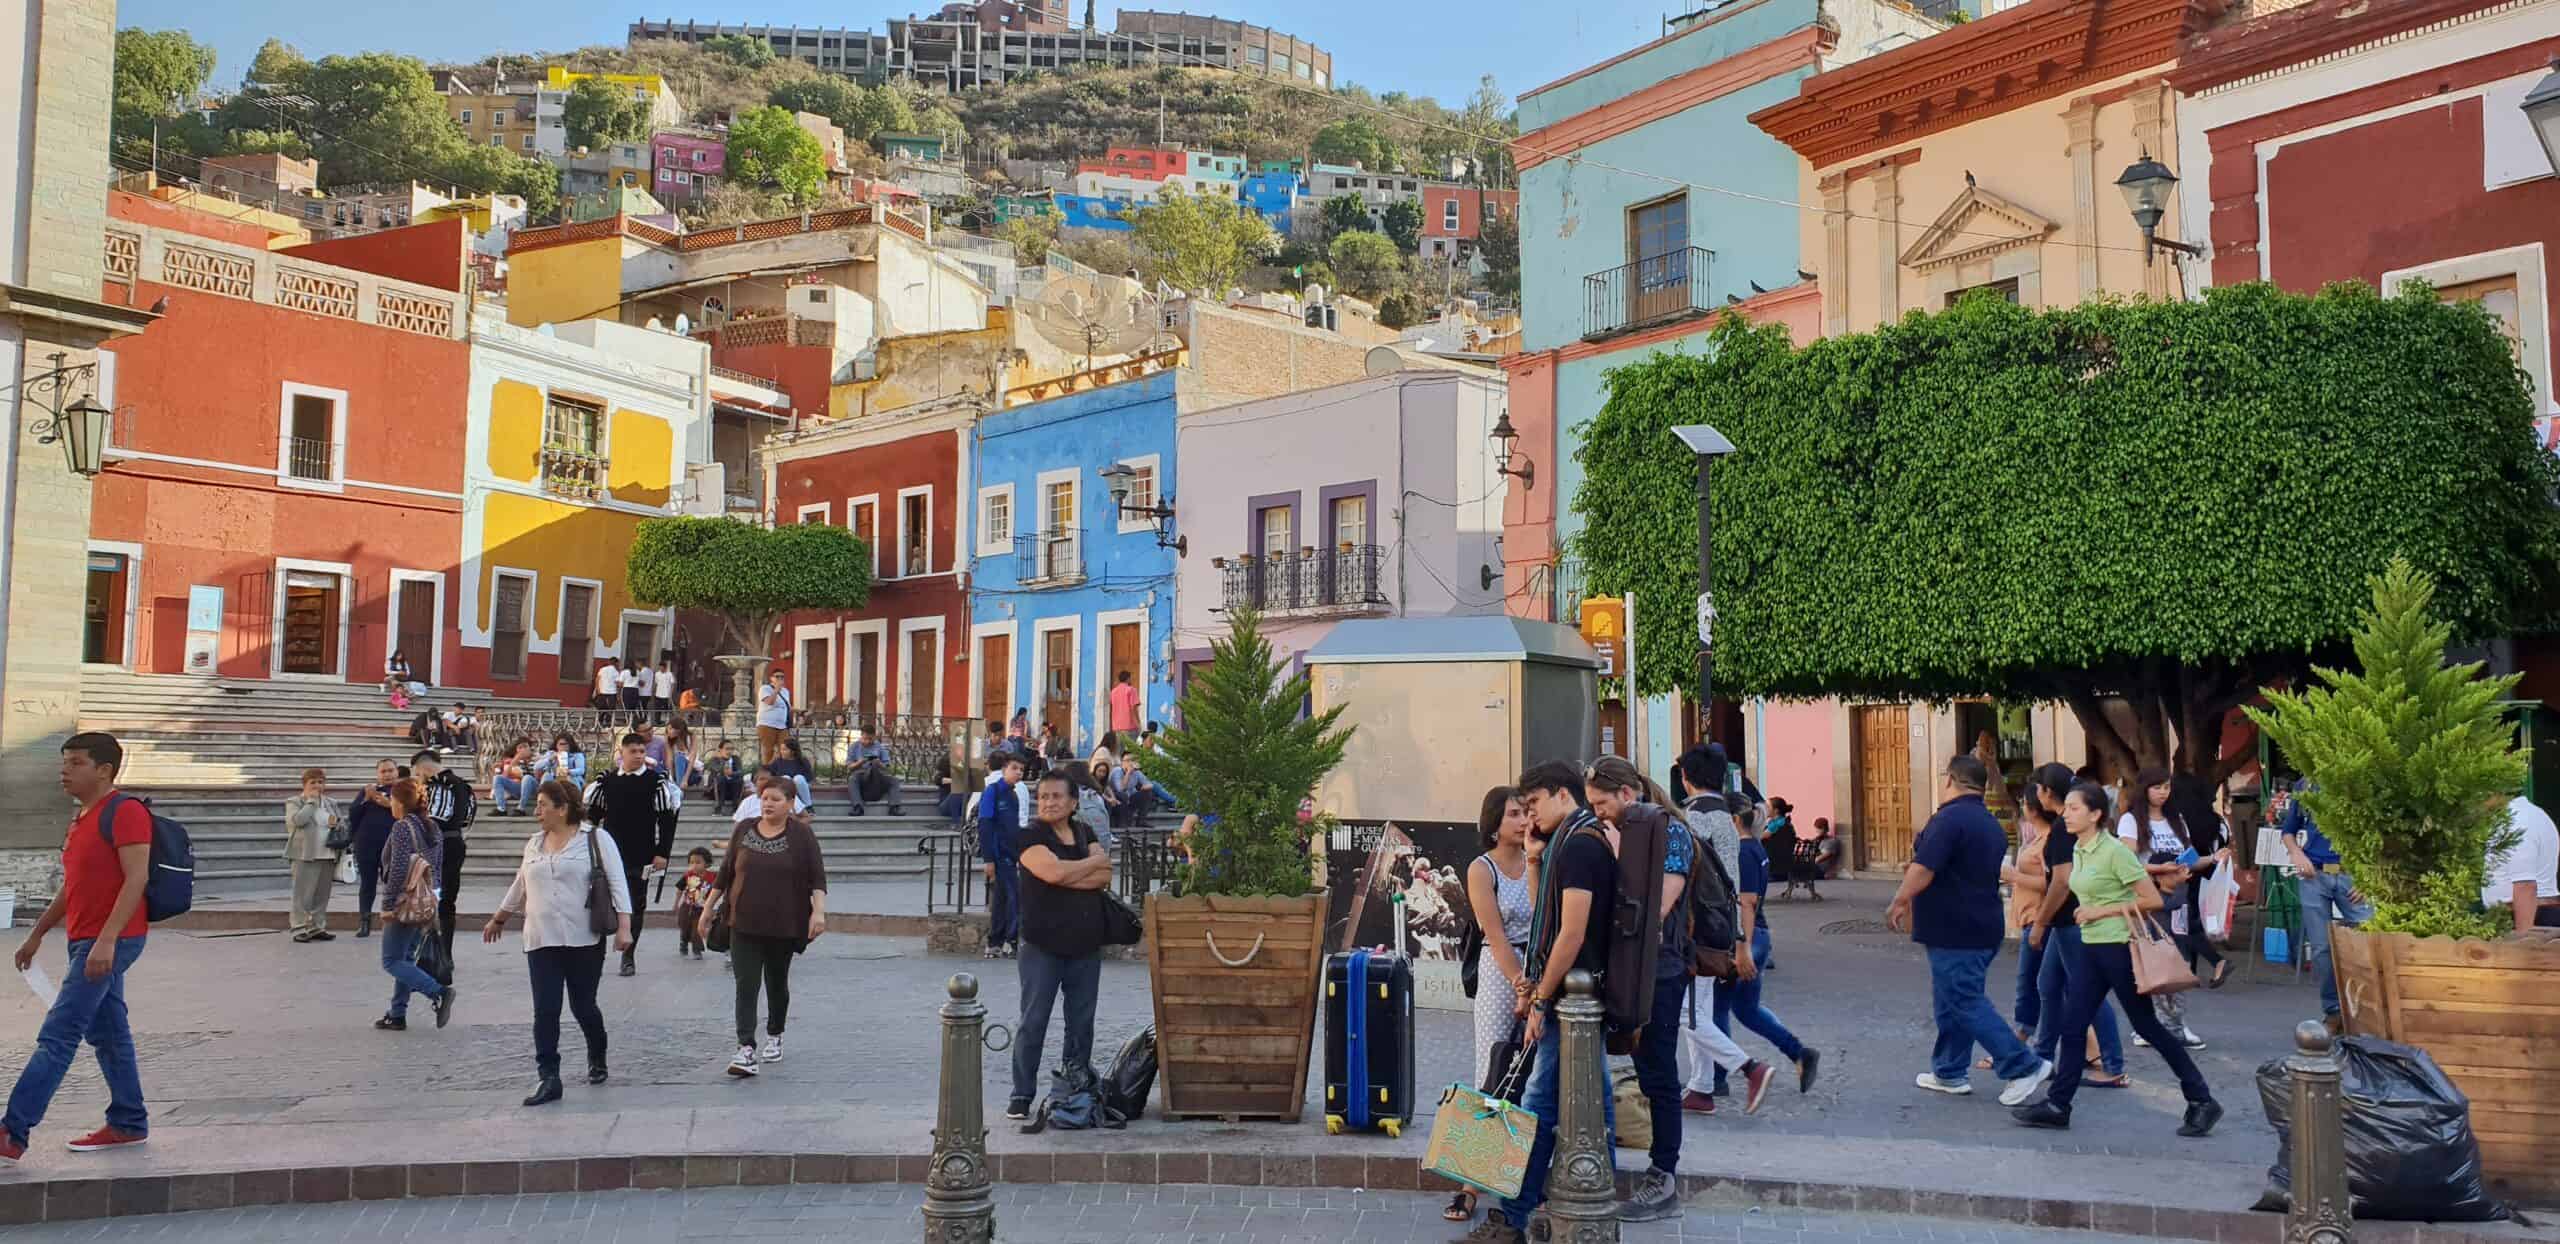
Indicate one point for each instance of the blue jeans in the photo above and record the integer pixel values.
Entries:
(1045, 976)
(2065, 960)
(1657, 1061)
(399, 958)
(1004, 904)
(1541, 1098)
(1748, 1012)
(92, 1011)
(1966, 1018)
(2026, 1009)
(514, 792)
(2322, 893)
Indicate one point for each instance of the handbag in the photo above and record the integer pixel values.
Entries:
(1481, 1138)
(601, 918)
(2159, 967)
(1120, 925)
(339, 837)
(1470, 949)
(715, 918)
(417, 903)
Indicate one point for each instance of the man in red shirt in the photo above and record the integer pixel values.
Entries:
(101, 897)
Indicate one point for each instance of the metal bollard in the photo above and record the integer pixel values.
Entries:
(959, 1191)
(2319, 1212)
(1582, 1180)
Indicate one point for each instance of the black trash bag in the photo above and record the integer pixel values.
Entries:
(1133, 1077)
(2410, 1152)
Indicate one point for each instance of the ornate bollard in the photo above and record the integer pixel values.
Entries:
(1582, 1181)
(959, 1201)
(2319, 1210)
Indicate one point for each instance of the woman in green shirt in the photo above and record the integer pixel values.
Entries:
(2112, 886)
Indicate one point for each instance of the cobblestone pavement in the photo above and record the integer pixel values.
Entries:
(241, 1032)
(1085, 1214)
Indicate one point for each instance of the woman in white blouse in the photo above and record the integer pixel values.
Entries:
(561, 951)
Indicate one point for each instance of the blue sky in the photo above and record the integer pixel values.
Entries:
(1424, 49)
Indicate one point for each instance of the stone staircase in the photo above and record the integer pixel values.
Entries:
(222, 755)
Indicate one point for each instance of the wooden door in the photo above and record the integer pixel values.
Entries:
(415, 627)
(817, 672)
(995, 679)
(1125, 656)
(864, 695)
(1058, 682)
(1880, 744)
(924, 660)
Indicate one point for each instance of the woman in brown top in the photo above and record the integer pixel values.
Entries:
(775, 882)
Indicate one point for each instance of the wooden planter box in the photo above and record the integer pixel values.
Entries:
(2486, 1012)
(1234, 1024)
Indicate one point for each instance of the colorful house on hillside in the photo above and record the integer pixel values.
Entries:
(649, 88)
(925, 147)
(1080, 211)
(1273, 195)
(689, 163)
(284, 484)
(1453, 217)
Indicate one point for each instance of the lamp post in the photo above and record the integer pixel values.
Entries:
(81, 428)
(1118, 477)
(2542, 111)
(1709, 445)
(1506, 455)
(2146, 184)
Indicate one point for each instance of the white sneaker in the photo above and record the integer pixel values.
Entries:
(2025, 1086)
(2189, 1036)
(2141, 1042)
(770, 1051)
(745, 1063)
(1953, 1088)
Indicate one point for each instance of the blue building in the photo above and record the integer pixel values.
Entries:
(1066, 593)
(1272, 195)
(1085, 211)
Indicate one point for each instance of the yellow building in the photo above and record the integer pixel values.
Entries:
(497, 119)
(664, 108)
(577, 434)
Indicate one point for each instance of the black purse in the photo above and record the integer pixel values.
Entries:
(1470, 949)
(601, 918)
(1120, 925)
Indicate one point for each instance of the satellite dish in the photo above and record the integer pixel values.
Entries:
(1095, 315)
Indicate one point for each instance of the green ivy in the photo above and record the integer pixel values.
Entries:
(746, 573)
(2170, 501)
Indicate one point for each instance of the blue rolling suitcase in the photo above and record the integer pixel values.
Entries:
(1368, 1041)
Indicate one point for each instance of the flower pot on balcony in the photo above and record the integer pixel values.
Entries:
(1344, 547)
(1235, 984)
(2484, 1011)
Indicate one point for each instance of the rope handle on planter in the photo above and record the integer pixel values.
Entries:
(1212, 936)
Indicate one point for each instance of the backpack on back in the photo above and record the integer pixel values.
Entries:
(466, 806)
(1635, 926)
(171, 887)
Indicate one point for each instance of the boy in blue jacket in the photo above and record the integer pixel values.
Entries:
(999, 817)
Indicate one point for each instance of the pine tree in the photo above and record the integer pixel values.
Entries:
(2412, 759)
(1245, 755)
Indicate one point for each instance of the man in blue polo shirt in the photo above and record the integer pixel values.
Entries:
(2327, 893)
(1950, 900)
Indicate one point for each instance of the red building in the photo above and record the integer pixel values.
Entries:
(1453, 216)
(1152, 163)
(897, 479)
(283, 491)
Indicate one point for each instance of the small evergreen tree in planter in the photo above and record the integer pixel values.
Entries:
(2414, 759)
(1234, 962)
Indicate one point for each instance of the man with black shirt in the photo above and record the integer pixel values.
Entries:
(1571, 931)
(637, 805)
(451, 806)
(1950, 902)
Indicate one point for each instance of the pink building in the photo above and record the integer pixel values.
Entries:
(686, 164)
(1453, 215)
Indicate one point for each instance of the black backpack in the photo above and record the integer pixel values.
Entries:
(466, 807)
(1715, 911)
(1133, 1077)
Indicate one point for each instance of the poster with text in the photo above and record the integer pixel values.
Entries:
(1420, 866)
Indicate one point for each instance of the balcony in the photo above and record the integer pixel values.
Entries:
(574, 473)
(1343, 579)
(1653, 290)
(1048, 559)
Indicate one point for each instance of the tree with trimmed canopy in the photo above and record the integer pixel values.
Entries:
(746, 574)
(2147, 511)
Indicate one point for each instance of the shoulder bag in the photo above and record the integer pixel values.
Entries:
(1471, 943)
(340, 837)
(1121, 926)
(417, 903)
(715, 920)
(2159, 967)
(601, 917)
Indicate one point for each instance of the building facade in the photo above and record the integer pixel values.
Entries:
(1066, 593)
(1454, 216)
(1378, 498)
(649, 88)
(969, 45)
(689, 163)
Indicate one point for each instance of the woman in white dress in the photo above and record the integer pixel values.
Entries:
(1502, 892)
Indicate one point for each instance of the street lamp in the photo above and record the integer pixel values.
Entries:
(2146, 184)
(1118, 477)
(1506, 442)
(81, 429)
(2542, 109)
(1709, 445)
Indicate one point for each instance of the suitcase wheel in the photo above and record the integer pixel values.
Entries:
(1394, 1128)
(1333, 1125)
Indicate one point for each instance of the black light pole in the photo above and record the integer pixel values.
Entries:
(1709, 445)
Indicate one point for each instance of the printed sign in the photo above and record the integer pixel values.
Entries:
(204, 608)
(1374, 865)
(1604, 627)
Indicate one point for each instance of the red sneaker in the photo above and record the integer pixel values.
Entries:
(11, 1151)
(1697, 1103)
(105, 1138)
(1756, 1076)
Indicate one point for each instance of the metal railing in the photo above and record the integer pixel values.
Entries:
(1046, 559)
(1652, 289)
(1144, 862)
(1337, 578)
(570, 472)
(920, 749)
(1570, 583)
(309, 458)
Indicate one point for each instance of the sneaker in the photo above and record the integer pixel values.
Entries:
(112, 1138)
(994, 951)
(1493, 1230)
(2025, 1086)
(2201, 1116)
(2042, 1114)
(1018, 1108)
(323, 935)
(1807, 1068)
(1656, 1197)
(1755, 1080)
(12, 1150)
(444, 1006)
(1696, 1102)
(1953, 1088)
(2141, 1042)
(303, 935)
(392, 1023)
(2189, 1036)
(770, 1051)
(745, 1063)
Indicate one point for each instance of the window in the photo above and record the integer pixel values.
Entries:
(684, 179)
(2005, 291)
(1449, 215)
(498, 118)
(1658, 228)
(1142, 493)
(915, 532)
(812, 514)
(507, 620)
(701, 158)
(577, 632)
(528, 142)
(313, 421)
(1407, 187)
(497, 140)
(572, 454)
(1350, 520)
(1058, 507)
(1359, 183)
(995, 520)
(862, 517)
(1275, 522)
(466, 116)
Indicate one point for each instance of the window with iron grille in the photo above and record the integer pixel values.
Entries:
(573, 462)
(311, 451)
(507, 626)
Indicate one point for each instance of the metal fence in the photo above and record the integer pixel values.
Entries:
(1339, 578)
(1656, 287)
(921, 749)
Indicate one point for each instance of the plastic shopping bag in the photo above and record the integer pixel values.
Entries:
(2220, 899)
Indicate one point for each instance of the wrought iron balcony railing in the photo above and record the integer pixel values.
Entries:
(1650, 290)
(1048, 559)
(1340, 578)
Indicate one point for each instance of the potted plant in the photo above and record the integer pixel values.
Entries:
(2414, 761)
(1234, 962)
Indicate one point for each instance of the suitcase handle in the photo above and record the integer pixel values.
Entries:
(1212, 936)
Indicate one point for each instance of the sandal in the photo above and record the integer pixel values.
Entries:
(2221, 973)
(1461, 1206)
(2101, 1079)
(1982, 1064)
